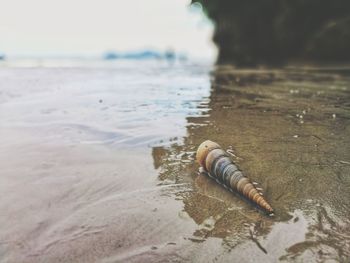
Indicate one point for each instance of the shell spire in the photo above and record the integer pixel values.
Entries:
(219, 166)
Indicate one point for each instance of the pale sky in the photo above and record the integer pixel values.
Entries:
(41, 27)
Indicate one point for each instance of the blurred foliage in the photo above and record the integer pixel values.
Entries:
(250, 32)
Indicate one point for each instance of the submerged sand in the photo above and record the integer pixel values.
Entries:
(98, 164)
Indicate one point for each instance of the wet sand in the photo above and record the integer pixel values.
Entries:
(98, 164)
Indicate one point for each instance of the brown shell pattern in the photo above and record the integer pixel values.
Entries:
(220, 167)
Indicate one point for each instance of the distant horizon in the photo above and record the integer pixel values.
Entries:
(61, 54)
(80, 58)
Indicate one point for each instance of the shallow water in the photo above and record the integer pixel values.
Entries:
(98, 163)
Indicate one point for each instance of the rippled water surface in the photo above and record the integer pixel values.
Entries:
(98, 163)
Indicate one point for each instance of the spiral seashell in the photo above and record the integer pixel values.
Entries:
(220, 167)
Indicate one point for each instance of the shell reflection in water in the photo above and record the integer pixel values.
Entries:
(219, 166)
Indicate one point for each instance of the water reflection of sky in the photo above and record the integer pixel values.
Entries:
(131, 104)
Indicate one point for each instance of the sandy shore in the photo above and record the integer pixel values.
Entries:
(98, 164)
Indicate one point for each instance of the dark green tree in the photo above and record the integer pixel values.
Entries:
(250, 32)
